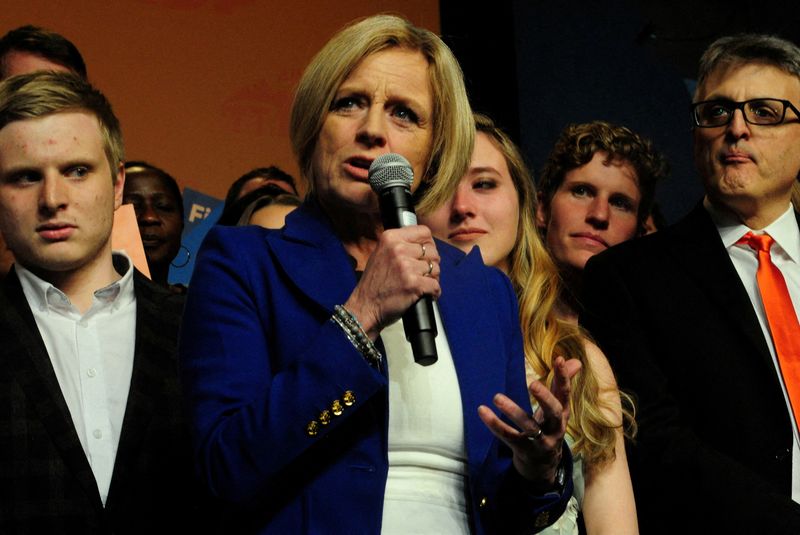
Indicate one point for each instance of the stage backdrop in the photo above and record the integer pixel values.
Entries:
(203, 87)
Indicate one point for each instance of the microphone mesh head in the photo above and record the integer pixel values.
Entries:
(390, 170)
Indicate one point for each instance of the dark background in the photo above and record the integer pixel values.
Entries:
(537, 66)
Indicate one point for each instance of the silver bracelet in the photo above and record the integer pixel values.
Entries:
(355, 333)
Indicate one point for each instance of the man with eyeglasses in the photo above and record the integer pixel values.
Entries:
(699, 320)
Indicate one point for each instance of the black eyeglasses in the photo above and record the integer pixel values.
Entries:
(760, 111)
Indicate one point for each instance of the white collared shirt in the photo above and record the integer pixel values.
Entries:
(785, 254)
(92, 356)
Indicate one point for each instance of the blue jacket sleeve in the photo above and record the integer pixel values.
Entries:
(518, 508)
(259, 364)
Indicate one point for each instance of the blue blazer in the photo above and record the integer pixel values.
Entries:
(261, 360)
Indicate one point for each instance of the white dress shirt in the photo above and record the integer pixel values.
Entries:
(785, 254)
(92, 356)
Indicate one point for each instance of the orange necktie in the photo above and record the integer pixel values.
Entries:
(781, 316)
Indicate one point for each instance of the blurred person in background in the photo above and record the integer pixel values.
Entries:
(258, 177)
(157, 200)
(266, 206)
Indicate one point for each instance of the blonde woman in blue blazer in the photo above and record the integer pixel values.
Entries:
(308, 412)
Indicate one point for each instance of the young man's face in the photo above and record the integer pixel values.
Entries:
(57, 193)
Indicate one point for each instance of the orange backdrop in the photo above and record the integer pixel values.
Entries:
(203, 87)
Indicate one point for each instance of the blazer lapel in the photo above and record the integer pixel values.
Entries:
(473, 340)
(154, 360)
(34, 373)
(698, 247)
(313, 257)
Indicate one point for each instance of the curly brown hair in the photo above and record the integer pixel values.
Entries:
(577, 145)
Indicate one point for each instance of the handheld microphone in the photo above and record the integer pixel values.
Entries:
(391, 176)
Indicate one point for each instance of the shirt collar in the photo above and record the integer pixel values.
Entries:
(783, 230)
(43, 295)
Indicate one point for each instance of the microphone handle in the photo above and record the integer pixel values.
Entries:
(397, 208)
(419, 323)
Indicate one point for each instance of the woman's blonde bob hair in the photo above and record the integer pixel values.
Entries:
(453, 129)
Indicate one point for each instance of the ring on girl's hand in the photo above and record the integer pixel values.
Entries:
(430, 269)
(536, 436)
(423, 251)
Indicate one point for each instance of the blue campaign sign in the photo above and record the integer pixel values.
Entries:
(201, 213)
(197, 207)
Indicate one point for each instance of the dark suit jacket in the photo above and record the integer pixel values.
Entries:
(46, 483)
(261, 359)
(714, 449)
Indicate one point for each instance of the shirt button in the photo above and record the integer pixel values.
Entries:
(97, 434)
(91, 372)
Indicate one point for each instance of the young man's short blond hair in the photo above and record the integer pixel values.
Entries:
(38, 94)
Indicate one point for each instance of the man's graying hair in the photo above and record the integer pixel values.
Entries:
(749, 48)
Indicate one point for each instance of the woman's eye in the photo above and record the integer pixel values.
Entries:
(405, 114)
(484, 184)
(344, 103)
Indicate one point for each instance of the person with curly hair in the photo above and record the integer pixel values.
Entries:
(595, 191)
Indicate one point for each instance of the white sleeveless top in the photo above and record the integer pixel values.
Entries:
(567, 523)
(425, 487)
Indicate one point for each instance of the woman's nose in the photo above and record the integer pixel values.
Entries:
(463, 204)
(372, 131)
